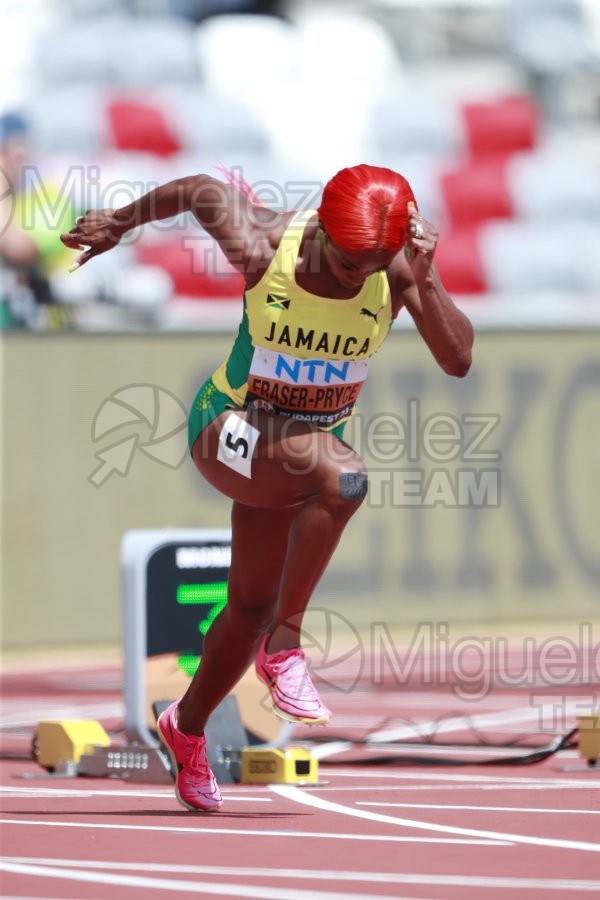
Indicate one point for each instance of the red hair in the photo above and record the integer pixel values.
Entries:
(366, 208)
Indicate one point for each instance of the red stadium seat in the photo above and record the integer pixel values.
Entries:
(140, 127)
(194, 272)
(477, 194)
(502, 127)
(459, 262)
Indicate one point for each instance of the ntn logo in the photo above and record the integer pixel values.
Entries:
(317, 371)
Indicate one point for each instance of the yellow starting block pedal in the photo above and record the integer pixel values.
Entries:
(275, 766)
(589, 737)
(59, 743)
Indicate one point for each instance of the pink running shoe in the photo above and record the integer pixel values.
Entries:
(293, 694)
(195, 785)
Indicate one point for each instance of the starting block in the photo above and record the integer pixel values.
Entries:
(82, 747)
(276, 766)
(61, 743)
(132, 762)
(589, 737)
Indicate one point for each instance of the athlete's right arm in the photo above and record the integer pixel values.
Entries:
(241, 228)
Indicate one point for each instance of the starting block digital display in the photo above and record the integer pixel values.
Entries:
(174, 586)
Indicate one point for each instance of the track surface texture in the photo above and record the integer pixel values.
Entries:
(431, 823)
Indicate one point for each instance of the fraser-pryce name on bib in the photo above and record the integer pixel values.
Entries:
(321, 391)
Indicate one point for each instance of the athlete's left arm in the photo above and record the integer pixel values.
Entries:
(416, 284)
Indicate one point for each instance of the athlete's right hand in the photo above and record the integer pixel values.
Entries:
(97, 230)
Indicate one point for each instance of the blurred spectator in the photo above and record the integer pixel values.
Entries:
(26, 244)
(19, 254)
(16, 247)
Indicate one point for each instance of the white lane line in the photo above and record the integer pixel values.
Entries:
(480, 779)
(330, 749)
(436, 727)
(324, 751)
(61, 793)
(405, 788)
(249, 794)
(296, 794)
(447, 750)
(457, 723)
(252, 832)
(525, 809)
(558, 884)
(171, 884)
(248, 797)
(17, 719)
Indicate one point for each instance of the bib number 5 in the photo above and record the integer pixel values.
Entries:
(239, 445)
(236, 444)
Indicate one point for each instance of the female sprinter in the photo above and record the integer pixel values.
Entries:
(322, 289)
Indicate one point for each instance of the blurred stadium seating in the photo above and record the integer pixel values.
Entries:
(490, 107)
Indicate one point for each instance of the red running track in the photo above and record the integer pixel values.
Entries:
(364, 832)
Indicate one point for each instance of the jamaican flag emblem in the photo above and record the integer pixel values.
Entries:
(277, 302)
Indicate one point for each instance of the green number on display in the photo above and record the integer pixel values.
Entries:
(213, 595)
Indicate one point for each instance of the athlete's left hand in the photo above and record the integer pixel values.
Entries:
(421, 243)
(98, 230)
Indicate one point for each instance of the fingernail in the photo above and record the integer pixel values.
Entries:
(73, 267)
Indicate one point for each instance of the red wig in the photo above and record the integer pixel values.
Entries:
(366, 208)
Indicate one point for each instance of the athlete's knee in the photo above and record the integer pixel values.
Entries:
(345, 485)
(353, 486)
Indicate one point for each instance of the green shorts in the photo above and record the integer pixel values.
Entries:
(210, 402)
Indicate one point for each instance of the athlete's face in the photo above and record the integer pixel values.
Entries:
(351, 268)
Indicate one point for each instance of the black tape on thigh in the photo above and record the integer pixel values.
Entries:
(353, 485)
